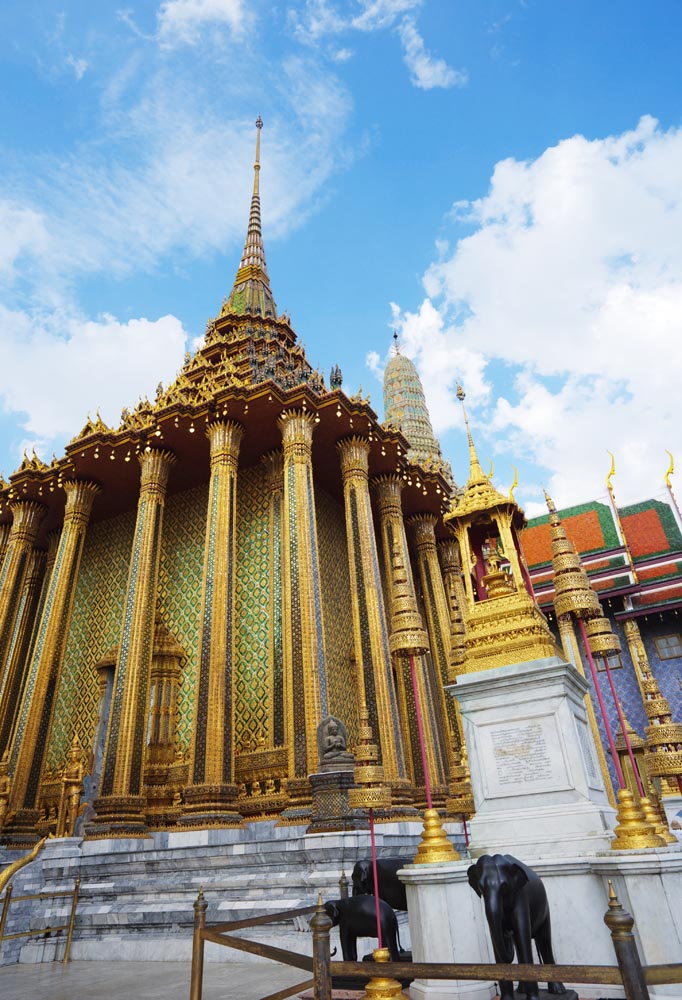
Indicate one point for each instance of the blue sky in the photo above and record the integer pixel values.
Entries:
(498, 180)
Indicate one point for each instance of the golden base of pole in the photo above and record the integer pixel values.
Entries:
(651, 816)
(633, 832)
(434, 847)
(384, 988)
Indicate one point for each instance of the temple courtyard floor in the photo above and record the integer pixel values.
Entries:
(143, 981)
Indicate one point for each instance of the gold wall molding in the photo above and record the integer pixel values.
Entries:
(370, 627)
(303, 651)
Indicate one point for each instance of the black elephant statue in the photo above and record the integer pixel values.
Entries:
(357, 917)
(391, 889)
(517, 911)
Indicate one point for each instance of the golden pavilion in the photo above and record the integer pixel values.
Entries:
(184, 597)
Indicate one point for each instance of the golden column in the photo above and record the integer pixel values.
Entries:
(16, 668)
(210, 796)
(31, 736)
(120, 807)
(388, 491)
(448, 551)
(5, 530)
(27, 515)
(438, 624)
(373, 657)
(663, 736)
(303, 650)
(274, 470)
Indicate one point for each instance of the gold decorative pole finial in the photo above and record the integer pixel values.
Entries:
(256, 166)
(671, 469)
(476, 473)
(616, 514)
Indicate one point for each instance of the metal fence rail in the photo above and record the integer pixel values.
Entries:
(628, 973)
(68, 927)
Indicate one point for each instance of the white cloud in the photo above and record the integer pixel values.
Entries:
(426, 71)
(181, 21)
(377, 14)
(22, 232)
(79, 66)
(568, 294)
(93, 362)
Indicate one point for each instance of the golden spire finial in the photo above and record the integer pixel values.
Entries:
(476, 473)
(256, 166)
(671, 469)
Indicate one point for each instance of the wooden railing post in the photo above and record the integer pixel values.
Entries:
(620, 924)
(197, 980)
(5, 910)
(320, 925)
(72, 921)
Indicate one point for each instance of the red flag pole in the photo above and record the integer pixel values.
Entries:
(376, 876)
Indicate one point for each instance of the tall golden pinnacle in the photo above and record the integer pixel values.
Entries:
(662, 735)
(368, 773)
(573, 593)
(408, 636)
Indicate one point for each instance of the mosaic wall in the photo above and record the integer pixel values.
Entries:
(252, 608)
(95, 628)
(179, 593)
(337, 612)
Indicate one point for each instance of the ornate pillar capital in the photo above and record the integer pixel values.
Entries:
(388, 491)
(354, 452)
(448, 550)
(26, 518)
(225, 437)
(297, 428)
(155, 465)
(273, 462)
(80, 496)
(423, 530)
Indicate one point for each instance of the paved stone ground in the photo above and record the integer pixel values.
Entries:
(143, 981)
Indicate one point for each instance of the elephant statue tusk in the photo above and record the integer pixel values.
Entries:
(7, 874)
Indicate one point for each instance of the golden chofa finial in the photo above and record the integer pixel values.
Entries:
(671, 469)
(256, 166)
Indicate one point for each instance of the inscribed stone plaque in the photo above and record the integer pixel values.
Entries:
(523, 757)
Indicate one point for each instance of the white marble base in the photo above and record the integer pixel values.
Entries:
(536, 780)
(448, 919)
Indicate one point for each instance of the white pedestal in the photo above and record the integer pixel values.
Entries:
(673, 811)
(447, 919)
(447, 924)
(536, 780)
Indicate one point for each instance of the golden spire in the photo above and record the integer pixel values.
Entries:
(476, 473)
(251, 294)
(572, 591)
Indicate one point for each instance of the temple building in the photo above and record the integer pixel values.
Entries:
(187, 596)
(187, 599)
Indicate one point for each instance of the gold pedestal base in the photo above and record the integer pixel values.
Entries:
(434, 847)
(118, 816)
(383, 988)
(660, 828)
(633, 832)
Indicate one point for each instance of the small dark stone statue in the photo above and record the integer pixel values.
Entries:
(391, 889)
(356, 917)
(517, 912)
(332, 745)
